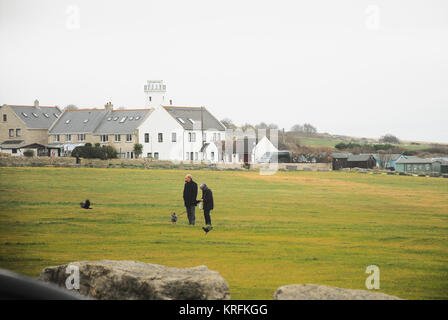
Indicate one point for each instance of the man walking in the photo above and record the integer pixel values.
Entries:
(207, 205)
(190, 195)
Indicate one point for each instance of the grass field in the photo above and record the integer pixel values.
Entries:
(292, 227)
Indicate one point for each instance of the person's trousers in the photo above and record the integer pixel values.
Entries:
(190, 214)
(208, 220)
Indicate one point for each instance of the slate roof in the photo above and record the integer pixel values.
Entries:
(194, 113)
(78, 121)
(359, 157)
(112, 124)
(415, 160)
(36, 118)
(338, 155)
(12, 144)
(98, 121)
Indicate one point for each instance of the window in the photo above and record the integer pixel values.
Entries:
(173, 137)
(131, 118)
(219, 136)
(195, 156)
(82, 137)
(87, 120)
(191, 120)
(109, 119)
(137, 118)
(149, 99)
(129, 137)
(11, 132)
(24, 114)
(5, 117)
(115, 118)
(149, 155)
(156, 155)
(214, 136)
(46, 115)
(181, 120)
(68, 137)
(188, 156)
(160, 136)
(117, 138)
(57, 138)
(212, 155)
(104, 138)
(17, 132)
(34, 114)
(67, 121)
(191, 156)
(192, 136)
(146, 137)
(14, 151)
(123, 119)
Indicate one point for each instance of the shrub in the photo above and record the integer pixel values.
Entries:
(96, 152)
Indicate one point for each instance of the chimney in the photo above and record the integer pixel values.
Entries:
(36, 104)
(171, 102)
(108, 106)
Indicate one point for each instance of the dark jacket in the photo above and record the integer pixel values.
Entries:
(190, 193)
(207, 196)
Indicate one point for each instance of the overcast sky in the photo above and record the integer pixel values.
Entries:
(361, 68)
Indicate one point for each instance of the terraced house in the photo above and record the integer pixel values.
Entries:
(118, 128)
(26, 128)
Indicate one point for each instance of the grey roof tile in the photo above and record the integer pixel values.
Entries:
(194, 113)
(113, 124)
(36, 118)
(78, 121)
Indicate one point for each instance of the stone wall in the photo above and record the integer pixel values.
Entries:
(147, 164)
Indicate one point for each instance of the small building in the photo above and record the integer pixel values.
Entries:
(387, 160)
(340, 160)
(421, 165)
(365, 161)
(261, 148)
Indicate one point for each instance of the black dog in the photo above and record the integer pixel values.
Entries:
(85, 205)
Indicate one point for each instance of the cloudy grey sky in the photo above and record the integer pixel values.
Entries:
(362, 68)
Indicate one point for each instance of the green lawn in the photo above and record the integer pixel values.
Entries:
(292, 227)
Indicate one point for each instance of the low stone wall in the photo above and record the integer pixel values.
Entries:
(69, 162)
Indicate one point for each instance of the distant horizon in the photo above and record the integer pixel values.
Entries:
(357, 68)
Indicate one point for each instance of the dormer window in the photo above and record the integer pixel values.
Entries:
(87, 120)
(56, 115)
(24, 114)
(116, 118)
(181, 120)
(131, 118)
(67, 121)
(191, 120)
(137, 118)
(46, 115)
(123, 119)
(110, 118)
(34, 114)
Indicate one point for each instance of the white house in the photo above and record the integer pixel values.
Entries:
(181, 134)
(263, 146)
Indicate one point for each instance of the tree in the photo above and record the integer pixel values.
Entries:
(138, 149)
(228, 123)
(272, 126)
(262, 125)
(297, 128)
(384, 157)
(389, 138)
(308, 128)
